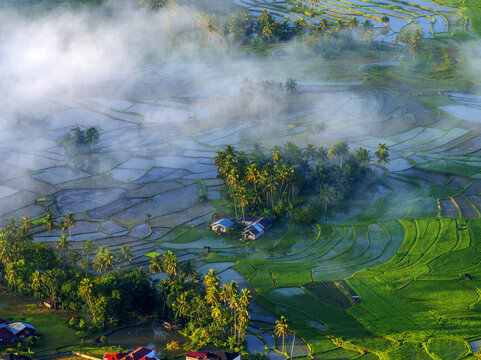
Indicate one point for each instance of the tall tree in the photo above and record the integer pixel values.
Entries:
(281, 330)
(63, 245)
(169, 263)
(156, 264)
(49, 222)
(126, 255)
(87, 248)
(382, 154)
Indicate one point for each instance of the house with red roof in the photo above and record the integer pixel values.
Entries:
(142, 353)
(212, 355)
(195, 355)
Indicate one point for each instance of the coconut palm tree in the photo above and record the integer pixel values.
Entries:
(328, 195)
(70, 222)
(331, 154)
(323, 25)
(362, 155)
(125, 256)
(382, 154)
(63, 245)
(49, 222)
(211, 278)
(242, 198)
(85, 291)
(187, 270)
(26, 223)
(156, 264)
(5, 252)
(169, 263)
(104, 260)
(281, 330)
(252, 175)
(341, 149)
(87, 247)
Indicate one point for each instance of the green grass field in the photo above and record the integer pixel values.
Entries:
(414, 300)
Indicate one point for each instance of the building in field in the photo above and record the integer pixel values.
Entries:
(52, 304)
(15, 332)
(214, 355)
(222, 226)
(6, 336)
(141, 353)
(256, 227)
(21, 330)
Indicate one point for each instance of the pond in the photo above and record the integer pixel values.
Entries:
(152, 336)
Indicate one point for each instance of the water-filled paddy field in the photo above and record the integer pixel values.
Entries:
(402, 246)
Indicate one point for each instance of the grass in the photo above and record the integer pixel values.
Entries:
(51, 325)
(411, 299)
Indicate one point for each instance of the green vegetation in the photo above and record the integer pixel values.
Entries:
(257, 181)
(210, 313)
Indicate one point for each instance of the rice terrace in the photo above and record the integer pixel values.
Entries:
(279, 179)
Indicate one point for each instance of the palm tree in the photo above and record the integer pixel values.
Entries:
(382, 154)
(156, 264)
(340, 149)
(353, 22)
(5, 252)
(70, 222)
(187, 269)
(126, 254)
(331, 154)
(26, 224)
(242, 197)
(310, 151)
(85, 291)
(48, 222)
(169, 263)
(36, 281)
(323, 25)
(252, 175)
(362, 155)
(87, 248)
(281, 329)
(276, 156)
(328, 195)
(63, 244)
(104, 260)
(211, 278)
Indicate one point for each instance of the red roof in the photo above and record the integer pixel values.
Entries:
(49, 300)
(197, 354)
(114, 356)
(137, 354)
(6, 336)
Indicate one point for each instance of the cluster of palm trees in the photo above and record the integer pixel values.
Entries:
(14, 232)
(258, 180)
(255, 184)
(104, 259)
(228, 305)
(168, 263)
(263, 97)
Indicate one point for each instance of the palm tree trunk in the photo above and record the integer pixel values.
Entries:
(292, 346)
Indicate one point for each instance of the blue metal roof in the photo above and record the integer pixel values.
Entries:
(225, 222)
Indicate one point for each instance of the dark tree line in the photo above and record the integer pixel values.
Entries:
(208, 311)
